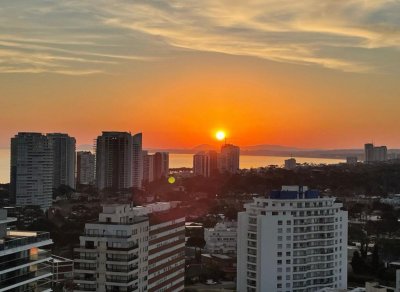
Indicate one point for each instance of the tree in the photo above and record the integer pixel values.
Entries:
(375, 258)
(357, 263)
(196, 242)
(63, 190)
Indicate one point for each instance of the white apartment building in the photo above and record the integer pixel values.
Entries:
(294, 240)
(23, 265)
(132, 249)
(222, 239)
(31, 170)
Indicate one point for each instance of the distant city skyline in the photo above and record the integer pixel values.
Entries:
(305, 74)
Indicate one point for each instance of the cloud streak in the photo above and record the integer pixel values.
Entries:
(342, 35)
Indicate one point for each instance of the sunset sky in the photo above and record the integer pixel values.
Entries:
(311, 73)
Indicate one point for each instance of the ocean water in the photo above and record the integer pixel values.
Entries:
(186, 160)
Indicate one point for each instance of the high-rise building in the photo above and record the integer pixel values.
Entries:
(85, 167)
(148, 167)
(64, 160)
(380, 153)
(161, 164)
(295, 240)
(229, 159)
(290, 163)
(132, 249)
(205, 163)
(137, 161)
(375, 153)
(31, 170)
(201, 164)
(24, 266)
(369, 152)
(213, 158)
(114, 160)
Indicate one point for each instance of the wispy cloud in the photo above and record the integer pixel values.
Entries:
(343, 35)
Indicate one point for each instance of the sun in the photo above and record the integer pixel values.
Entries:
(220, 135)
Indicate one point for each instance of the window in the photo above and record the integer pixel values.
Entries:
(280, 222)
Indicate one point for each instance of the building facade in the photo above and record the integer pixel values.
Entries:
(205, 163)
(31, 170)
(222, 239)
(137, 161)
(23, 264)
(132, 249)
(64, 161)
(114, 161)
(161, 165)
(294, 240)
(229, 159)
(201, 164)
(375, 153)
(85, 167)
(148, 167)
(290, 164)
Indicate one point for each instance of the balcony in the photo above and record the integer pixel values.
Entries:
(40, 256)
(22, 238)
(122, 259)
(122, 269)
(123, 248)
(120, 280)
(23, 279)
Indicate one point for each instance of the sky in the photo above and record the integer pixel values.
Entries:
(311, 73)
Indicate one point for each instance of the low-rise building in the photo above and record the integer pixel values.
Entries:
(221, 239)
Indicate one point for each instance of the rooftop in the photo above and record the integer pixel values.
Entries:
(294, 192)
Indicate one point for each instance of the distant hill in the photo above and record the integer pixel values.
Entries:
(269, 147)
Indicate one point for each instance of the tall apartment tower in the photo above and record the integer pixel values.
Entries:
(148, 167)
(369, 152)
(161, 164)
(201, 164)
(137, 161)
(114, 160)
(229, 158)
(375, 153)
(380, 153)
(64, 159)
(24, 266)
(205, 163)
(132, 249)
(294, 240)
(85, 167)
(31, 170)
